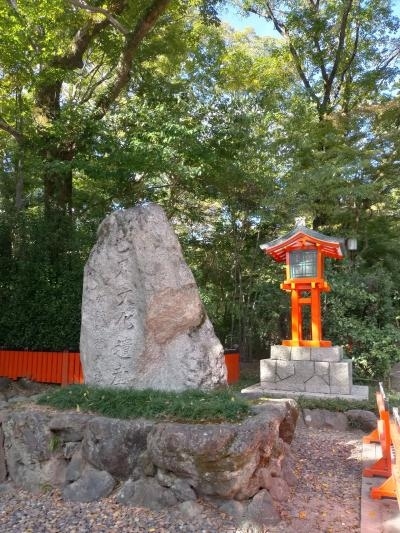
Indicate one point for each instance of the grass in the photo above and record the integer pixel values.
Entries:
(219, 405)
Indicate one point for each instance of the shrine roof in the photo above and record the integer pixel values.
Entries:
(301, 238)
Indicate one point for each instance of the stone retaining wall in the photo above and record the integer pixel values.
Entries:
(243, 468)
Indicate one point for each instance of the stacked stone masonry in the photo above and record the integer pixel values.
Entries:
(155, 464)
(311, 370)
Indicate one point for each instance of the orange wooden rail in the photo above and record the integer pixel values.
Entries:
(45, 367)
(390, 488)
(382, 467)
(382, 405)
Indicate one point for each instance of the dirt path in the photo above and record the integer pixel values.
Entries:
(327, 497)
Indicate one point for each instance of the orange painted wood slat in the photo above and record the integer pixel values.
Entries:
(45, 367)
(35, 366)
(70, 368)
(2, 357)
(39, 375)
(64, 371)
(18, 364)
(49, 363)
(27, 362)
(8, 364)
(43, 370)
(53, 373)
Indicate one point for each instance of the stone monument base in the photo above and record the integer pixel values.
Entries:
(304, 371)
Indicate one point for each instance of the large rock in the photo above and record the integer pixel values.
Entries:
(30, 450)
(143, 323)
(115, 445)
(146, 493)
(92, 485)
(324, 419)
(225, 460)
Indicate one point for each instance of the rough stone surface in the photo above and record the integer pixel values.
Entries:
(190, 509)
(341, 377)
(329, 354)
(4, 384)
(75, 467)
(146, 493)
(365, 420)
(143, 323)
(3, 464)
(27, 444)
(268, 370)
(317, 384)
(69, 426)
(180, 487)
(261, 510)
(70, 448)
(284, 369)
(115, 445)
(280, 352)
(300, 353)
(167, 463)
(92, 485)
(324, 419)
(223, 460)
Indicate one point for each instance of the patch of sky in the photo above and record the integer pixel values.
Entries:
(235, 18)
(262, 27)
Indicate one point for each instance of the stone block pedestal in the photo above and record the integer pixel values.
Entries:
(309, 372)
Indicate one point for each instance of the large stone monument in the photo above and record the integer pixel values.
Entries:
(143, 323)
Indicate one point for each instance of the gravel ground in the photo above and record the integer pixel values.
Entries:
(326, 499)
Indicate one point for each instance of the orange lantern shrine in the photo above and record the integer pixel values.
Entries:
(304, 250)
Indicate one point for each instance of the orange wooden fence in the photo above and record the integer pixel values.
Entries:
(65, 367)
(382, 467)
(390, 488)
(45, 367)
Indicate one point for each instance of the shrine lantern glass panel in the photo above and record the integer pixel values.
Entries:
(303, 264)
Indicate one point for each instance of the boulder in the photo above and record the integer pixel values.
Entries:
(261, 511)
(146, 493)
(75, 467)
(223, 460)
(29, 449)
(359, 418)
(69, 426)
(159, 464)
(92, 485)
(324, 419)
(189, 510)
(115, 445)
(143, 323)
(180, 487)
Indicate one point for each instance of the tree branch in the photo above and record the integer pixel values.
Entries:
(5, 126)
(132, 43)
(338, 56)
(349, 62)
(322, 67)
(281, 28)
(82, 39)
(111, 19)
